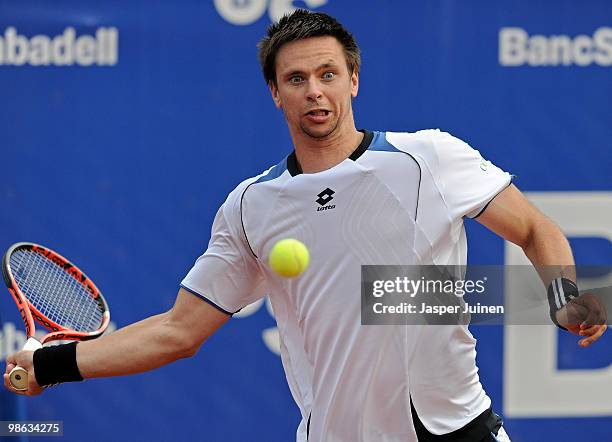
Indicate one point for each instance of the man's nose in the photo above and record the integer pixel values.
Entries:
(313, 91)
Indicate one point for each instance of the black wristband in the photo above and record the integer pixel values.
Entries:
(56, 364)
(560, 292)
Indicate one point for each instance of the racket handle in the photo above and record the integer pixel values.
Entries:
(19, 378)
(18, 375)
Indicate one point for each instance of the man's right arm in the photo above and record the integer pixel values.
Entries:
(144, 345)
(152, 342)
(228, 275)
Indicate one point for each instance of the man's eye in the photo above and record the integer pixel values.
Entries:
(295, 79)
(328, 75)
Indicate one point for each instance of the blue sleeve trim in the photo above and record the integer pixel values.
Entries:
(487, 205)
(274, 173)
(379, 143)
(204, 298)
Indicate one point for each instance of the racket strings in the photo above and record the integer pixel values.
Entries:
(54, 292)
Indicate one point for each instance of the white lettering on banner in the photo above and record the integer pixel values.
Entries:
(13, 338)
(65, 49)
(246, 12)
(517, 48)
(533, 387)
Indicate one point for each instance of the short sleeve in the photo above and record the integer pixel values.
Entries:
(227, 275)
(468, 182)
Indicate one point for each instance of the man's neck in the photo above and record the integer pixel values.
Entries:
(315, 155)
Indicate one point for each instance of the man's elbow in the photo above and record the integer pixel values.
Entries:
(191, 347)
(178, 341)
(541, 230)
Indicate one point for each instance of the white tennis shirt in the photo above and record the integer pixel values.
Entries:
(400, 199)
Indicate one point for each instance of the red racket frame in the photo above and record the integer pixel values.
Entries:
(29, 313)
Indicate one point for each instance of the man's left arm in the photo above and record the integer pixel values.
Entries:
(514, 218)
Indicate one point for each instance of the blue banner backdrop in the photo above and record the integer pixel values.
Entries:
(124, 125)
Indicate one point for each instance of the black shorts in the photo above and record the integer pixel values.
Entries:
(480, 429)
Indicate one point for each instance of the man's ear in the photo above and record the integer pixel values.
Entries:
(355, 82)
(275, 95)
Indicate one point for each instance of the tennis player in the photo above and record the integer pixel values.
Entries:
(354, 197)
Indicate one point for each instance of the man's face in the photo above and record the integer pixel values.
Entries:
(314, 87)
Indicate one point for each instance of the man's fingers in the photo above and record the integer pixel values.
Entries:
(10, 364)
(10, 359)
(588, 330)
(594, 317)
(596, 310)
(598, 331)
(25, 360)
(9, 367)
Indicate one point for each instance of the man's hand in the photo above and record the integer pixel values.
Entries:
(24, 359)
(584, 316)
(515, 219)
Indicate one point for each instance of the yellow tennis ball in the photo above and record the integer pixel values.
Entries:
(289, 257)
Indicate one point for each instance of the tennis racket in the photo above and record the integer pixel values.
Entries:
(53, 292)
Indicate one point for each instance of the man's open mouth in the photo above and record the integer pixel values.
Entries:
(319, 113)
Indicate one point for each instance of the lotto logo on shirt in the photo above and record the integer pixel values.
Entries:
(325, 197)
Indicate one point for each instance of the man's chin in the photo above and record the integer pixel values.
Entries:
(319, 133)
